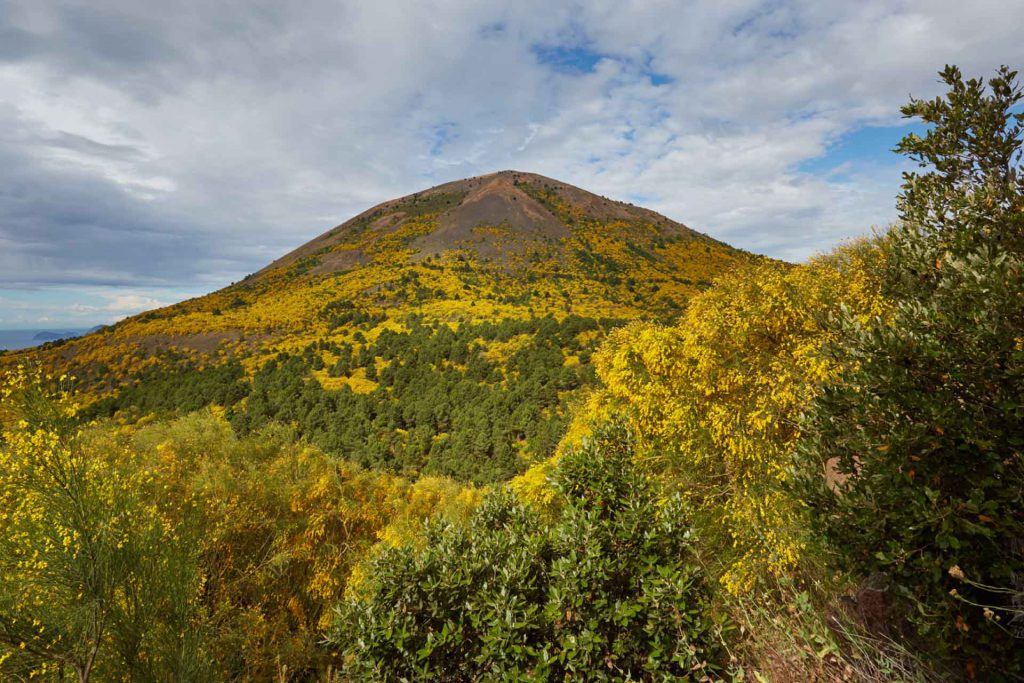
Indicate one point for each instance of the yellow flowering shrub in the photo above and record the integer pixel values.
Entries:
(286, 530)
(92, 571)
(715, 398)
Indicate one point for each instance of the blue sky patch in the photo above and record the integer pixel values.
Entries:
(567, 59)
(656, 77)
(867, 145)
(442, 135)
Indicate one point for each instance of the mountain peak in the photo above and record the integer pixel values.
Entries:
(498, 215)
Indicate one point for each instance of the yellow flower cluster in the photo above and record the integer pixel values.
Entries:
(715, 399)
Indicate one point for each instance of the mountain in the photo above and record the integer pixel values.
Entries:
(444, 331)
(500, 216)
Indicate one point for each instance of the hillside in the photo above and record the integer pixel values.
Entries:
(487, 294)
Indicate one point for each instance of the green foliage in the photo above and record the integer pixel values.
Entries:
(972, 193)
(923, 437)
(281, 528)
(609, 591)
(343, 312)
(440, 406)
(928, 434)
(182, 389)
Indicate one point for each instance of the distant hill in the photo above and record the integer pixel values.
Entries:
(442, 331)
(49, 335)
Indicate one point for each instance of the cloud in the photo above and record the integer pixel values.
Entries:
(133, 303)
(118, 306)
(182, 145)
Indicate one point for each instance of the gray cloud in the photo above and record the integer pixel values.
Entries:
(86, 146)
(187, 143)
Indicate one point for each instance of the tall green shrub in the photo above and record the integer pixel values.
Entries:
(922, 440)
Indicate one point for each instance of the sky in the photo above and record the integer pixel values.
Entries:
(154, 151)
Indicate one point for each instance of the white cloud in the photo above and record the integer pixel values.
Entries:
(132, 303)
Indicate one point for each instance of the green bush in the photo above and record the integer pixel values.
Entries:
(609, 590)
(924, 435)
(929, 431)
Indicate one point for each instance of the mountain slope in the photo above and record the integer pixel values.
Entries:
(524, 209)
(443, 331)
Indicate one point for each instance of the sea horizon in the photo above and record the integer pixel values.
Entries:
(16, 339)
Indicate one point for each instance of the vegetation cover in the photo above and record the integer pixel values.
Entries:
(608, 590)
(924, 431)
(441, 333)
(503, 430)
